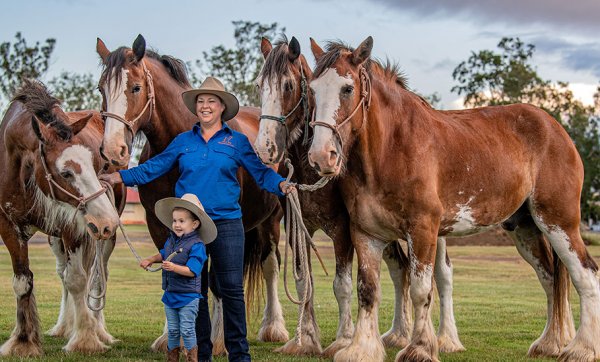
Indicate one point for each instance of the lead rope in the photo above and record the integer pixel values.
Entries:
(297, 238)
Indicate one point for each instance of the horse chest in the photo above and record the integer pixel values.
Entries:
(374, 216)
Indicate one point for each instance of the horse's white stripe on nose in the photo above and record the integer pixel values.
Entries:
(116, 101)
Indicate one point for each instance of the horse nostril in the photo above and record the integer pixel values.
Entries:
(107, 231)
(332, 156)
(123, 152)
(93, 227)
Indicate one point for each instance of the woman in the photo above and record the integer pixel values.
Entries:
(208, 158)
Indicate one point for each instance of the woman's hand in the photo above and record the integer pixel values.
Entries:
(286, 188)
(111, 178)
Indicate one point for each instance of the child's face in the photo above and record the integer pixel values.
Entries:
(183, 222)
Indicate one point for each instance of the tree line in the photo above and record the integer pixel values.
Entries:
(486, 78)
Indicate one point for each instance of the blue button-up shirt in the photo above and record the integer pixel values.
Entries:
(208, 169)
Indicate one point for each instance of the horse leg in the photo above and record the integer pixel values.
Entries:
(422, 249)
(64, 323)
(342, 284)
(561, 227)
(366, 342)
(25, 339)
(310, 342)
(447, 337)
(272, 328)
(559, 329)
(398, 265)
(84, 337)
(107, 248)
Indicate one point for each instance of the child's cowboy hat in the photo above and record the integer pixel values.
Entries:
(164, 211)
(213, 86)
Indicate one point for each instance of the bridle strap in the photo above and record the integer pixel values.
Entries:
(303, 99)
(83, 200)
(364, 103)
(149, 104)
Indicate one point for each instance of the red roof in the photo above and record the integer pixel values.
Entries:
(133, 196)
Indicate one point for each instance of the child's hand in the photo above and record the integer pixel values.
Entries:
(168, 266)
(145, 264)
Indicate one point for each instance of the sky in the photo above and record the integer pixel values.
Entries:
(427, 38)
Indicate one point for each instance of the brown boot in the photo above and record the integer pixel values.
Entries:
(192, 355)
(173, 355)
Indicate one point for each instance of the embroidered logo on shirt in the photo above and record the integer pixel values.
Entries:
(226, 141)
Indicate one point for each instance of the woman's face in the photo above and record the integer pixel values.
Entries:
(209, 109)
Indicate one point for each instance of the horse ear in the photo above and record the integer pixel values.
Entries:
(363, 52)
(294, 49)
(139, 47)
(316, 49)
(265, 47)
(102, 50)
(41, 131)
(81, 123)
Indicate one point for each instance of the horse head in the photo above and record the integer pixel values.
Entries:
(282, 83)
(64, 168)
(342, 91)
(127, 98)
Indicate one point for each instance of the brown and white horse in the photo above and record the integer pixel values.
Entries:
(408, 171)
(50, 161)
(286, 104)
(142, 93)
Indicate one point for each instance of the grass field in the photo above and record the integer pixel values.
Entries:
(500, 307)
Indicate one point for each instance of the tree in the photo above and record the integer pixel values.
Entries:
(489, 78)
(238, 67)
(18, 61)
(77, 91)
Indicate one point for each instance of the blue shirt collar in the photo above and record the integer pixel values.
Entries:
(198, 130)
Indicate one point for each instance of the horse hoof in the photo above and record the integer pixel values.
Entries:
(415, 354)
(447, 344)
(306, 349)
(13, 347)
(336, 346)
(392, 339)
(160, 344)
(274, 332)
(85, 344)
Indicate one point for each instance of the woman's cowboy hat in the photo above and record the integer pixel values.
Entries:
(164, 211)
(213, 86)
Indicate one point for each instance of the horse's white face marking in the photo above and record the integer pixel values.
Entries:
(86, 182)
(327, 89)
(270, 105)
(20, 285)
(116, 102)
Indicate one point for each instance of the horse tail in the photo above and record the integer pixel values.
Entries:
(252, 269)
(561, 291)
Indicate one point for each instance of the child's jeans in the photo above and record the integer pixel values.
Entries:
(181, 322)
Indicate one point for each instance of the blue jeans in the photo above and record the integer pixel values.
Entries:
(181, 324)
(226, 255)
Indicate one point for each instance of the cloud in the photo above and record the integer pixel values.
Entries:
(575, 56)
(579, 15)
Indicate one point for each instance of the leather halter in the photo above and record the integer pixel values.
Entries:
(365, 102)
(303, 100)
(83, 200)
(149, 103)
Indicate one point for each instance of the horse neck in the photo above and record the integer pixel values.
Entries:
(298, 151)
(170, 117)
(394, 114)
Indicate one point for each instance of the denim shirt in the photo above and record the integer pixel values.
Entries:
(208, 169)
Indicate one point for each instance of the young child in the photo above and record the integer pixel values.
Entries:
(182, 258)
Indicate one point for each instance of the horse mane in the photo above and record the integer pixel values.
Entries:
(276, 64)
(118, 58)
(36, 98)
(334, 49)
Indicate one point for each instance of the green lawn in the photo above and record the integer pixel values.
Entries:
(500, 307)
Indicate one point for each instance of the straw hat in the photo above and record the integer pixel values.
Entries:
(164, 211)
(213, 86)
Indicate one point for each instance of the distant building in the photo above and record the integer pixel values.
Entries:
(134, 213)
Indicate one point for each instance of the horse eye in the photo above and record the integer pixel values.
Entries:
(66, 174)
(136, 88)
(347, 90)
